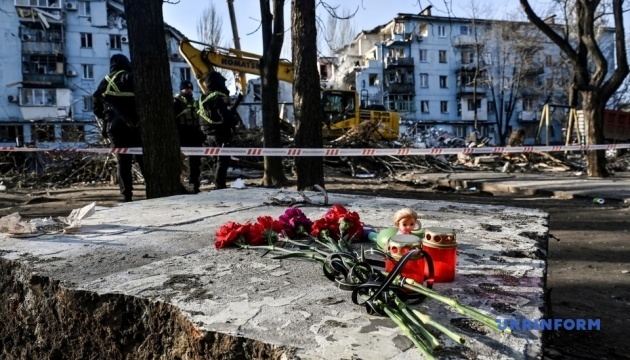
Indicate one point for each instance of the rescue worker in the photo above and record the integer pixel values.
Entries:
(115, 106)
(185, 108)
(217, 121)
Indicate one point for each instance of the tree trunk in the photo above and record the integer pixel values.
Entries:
(273, 36)
(306, 94)
(593, 110)
(152, 86)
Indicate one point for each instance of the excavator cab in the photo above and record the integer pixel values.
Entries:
(340, 111)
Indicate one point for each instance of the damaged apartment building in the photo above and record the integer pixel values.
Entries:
(459, 74)
(54, 54)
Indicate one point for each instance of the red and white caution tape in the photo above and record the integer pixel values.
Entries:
(294, 152)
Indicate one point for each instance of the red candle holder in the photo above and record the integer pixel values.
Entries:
(399, 246)
(441, 244)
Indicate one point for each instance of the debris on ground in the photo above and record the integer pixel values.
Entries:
(13, 225)
(63, 169)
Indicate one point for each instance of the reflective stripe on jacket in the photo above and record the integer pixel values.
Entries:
(203, 113)
(112, 89)
(188, 116)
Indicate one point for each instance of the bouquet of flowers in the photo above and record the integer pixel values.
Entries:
(329, 241)
(293, 223)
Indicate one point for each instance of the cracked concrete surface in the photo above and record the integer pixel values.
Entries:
(145, 279)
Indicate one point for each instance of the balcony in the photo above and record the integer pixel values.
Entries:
(470, 65)
(470, 89)
(46, 4)
(40, 47)
(465, 40)
(533, 69)
(391, 61)
(55, 80)
(399, 88)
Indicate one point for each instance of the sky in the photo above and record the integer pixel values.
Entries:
(185, 15)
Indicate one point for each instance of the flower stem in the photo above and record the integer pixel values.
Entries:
(427, 320)
(406, 329)
(462, 309)
(303, 246)
(414, 319)
(289, 253)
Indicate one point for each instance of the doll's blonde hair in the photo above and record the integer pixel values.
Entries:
(405, 213)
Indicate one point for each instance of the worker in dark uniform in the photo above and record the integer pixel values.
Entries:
(115, 106)
(185, 108)
(217, 121)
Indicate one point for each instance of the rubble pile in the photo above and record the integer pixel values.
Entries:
(63, 169)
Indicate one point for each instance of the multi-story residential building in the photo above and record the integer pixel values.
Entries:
(459, 74)
(54, 54)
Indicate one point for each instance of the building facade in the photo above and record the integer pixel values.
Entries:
(461, 74)
(55, 53)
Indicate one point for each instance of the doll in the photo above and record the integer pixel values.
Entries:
(406, 220)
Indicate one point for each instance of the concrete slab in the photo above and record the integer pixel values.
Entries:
(560, 185)
(161, 252)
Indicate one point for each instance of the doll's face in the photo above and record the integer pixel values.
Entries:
(406, 225)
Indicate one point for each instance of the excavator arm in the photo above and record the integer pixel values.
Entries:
(204, 61)
(341, 107)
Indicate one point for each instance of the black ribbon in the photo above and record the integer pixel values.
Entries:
(360, 277)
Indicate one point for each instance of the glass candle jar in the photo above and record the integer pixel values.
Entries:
(441, 244)
(399, 246)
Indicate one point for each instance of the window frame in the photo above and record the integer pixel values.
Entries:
(86, 40)
(423, 80)
(443, 82)
(424, 107)
(87, 71)
(444, 106)
(441, 30)
(443, 56)
(423, 58)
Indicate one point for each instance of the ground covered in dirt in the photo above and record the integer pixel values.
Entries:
(588, 261)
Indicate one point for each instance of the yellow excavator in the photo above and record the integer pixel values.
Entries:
(341, 107)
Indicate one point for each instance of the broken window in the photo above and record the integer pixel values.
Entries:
(373, 79)
(471, 104)
(72, 133)
(422, 30)
(9, 133)
(43, 133)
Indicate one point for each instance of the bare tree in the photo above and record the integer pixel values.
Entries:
(210, 25)
(516, 73)
(592, 78)
(210, 31)
(306, 95)
(272, 25)
(339, 31)
(162, 162)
